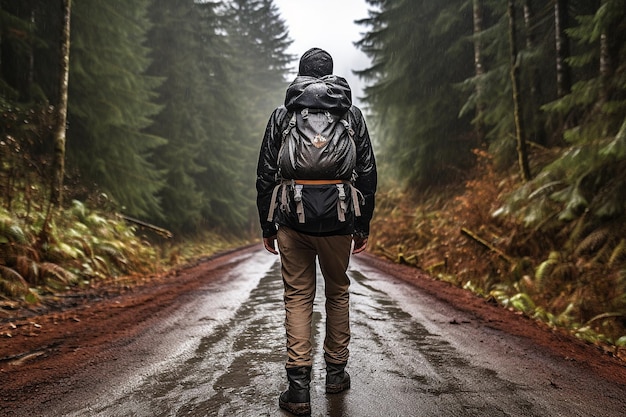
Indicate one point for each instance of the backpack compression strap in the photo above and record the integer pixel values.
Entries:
(297, 185)
(305, 114)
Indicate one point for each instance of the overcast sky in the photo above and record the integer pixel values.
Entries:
(328, 24)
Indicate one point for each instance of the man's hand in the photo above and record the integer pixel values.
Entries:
(360, 243)
(270, 244)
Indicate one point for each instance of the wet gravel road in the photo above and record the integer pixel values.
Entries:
(222, 354)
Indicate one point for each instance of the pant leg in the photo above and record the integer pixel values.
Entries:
(334, 256)
(297, 256)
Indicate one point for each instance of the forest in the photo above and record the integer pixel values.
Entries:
(499, 129)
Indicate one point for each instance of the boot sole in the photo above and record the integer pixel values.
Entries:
(337, 388)
(299, 409)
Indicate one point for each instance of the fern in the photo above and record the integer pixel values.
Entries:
(564, 272)
(522, 302)
(544, 270)
(12, 283)
(593, 242)
(57, 277)
(27, 268)
(11, 232)
(619, 253)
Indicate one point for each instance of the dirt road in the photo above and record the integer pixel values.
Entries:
(209, 341)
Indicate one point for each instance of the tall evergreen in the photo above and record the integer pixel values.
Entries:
(258, 40)
(520, 131)
(493, 84)
(111, 102)
(224, 153)
(407, 41)
(596, 97)
(176, 49)
(201, 118)
(30, 80)
(417, 58)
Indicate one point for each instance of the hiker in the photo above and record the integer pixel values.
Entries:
(316, 180)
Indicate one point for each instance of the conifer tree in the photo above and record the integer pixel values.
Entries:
(520, 131)
(589, 173)
(176, 49)
(206, 118)
(111, 103)
(258, 40)
(417, 59)
(223, 154)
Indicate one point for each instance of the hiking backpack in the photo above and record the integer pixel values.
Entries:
(317, 145)
(316, 170)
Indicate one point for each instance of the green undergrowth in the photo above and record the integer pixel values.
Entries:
(567, 273)
(77, 248)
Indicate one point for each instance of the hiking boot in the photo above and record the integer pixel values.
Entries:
(297, 399)
(337, 379)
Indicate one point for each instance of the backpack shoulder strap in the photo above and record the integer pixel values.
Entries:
(291, 125)
(345, 121)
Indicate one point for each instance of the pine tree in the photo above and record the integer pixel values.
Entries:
(209, 115)
(111, 103)
(176, 49)
(533, 56)
(590, 171)
(417, 59)
(258, 40)
(224, 153)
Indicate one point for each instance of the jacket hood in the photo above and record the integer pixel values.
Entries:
(328, 93)
(316, 63)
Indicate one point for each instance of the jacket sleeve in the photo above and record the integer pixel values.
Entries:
(367, 177)
(267, 169)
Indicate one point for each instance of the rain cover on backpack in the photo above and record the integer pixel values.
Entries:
(317, 145)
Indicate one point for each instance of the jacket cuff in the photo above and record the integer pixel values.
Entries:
(269, 229)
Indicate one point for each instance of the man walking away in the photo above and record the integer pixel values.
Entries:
(316, 182)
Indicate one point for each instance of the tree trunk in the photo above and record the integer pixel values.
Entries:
(59, 134)
(563, 71)
(30, 76)
(522, 153)
(608, 54)
(606, 65)
(479, 68)
(533, 73)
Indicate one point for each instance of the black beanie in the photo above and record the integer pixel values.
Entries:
(316, 63)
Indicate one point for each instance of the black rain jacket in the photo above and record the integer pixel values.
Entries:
(330, 93)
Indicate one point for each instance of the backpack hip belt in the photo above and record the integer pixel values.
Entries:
(297, 185)
(318, 182)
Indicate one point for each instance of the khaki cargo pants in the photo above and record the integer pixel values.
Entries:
(297, 254)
